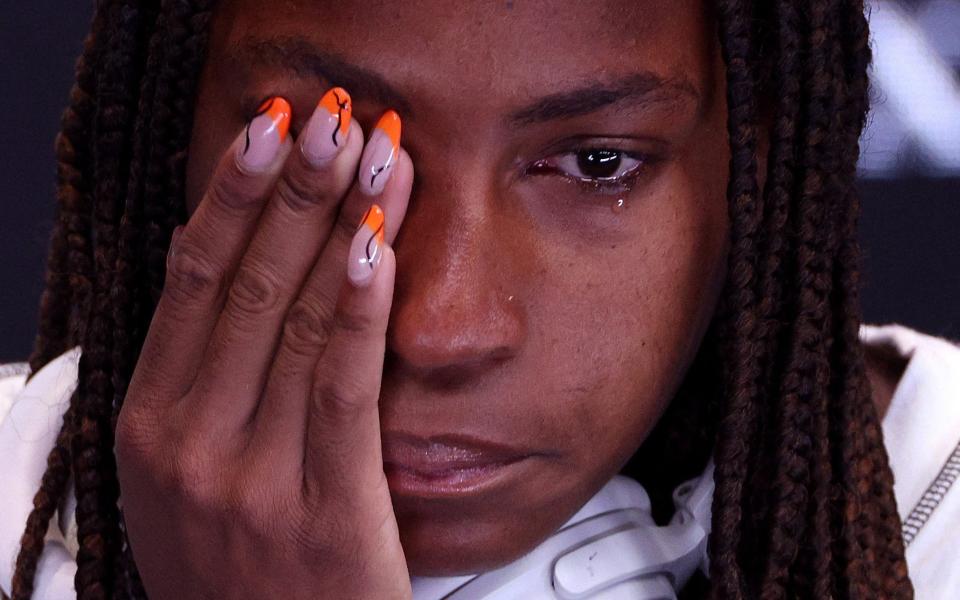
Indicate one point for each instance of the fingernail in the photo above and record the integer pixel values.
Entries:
(381, 154)
(366, 251)
(265, 133)
(328, 128)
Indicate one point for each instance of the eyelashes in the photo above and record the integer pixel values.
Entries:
(597, 169)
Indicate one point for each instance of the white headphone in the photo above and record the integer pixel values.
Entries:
(614, 555)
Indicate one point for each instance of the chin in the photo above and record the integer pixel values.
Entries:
(446, 547)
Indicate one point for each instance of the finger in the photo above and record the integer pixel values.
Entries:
(343, 424)
(282, 411)
(290, 235)
(305, 331)
(301, 347)
(201, 262)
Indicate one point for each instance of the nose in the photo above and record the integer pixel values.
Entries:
(457, 314)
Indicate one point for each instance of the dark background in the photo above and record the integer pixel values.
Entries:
(910, 224)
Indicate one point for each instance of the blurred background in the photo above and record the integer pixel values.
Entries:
(910, 167)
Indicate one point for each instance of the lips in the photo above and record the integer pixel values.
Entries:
(438, 455)
(450, 467)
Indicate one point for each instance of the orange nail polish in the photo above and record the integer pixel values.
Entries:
(366, 250)
(279, 112)
(381, 154)
(265, 133)
(373, 220)
(327, 131)
(390, 124)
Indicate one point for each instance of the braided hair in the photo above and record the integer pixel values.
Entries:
(804, 503)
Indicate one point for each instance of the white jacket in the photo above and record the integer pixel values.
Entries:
(921, 430)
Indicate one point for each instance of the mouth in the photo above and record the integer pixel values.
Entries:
(448, 466)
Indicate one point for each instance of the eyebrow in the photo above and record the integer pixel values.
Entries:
(643, 88)
(304, 58)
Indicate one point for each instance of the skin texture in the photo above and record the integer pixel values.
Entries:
(526, 310)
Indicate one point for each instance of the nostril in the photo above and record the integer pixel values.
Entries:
(456, 374)
(450, 347)
(471, 348)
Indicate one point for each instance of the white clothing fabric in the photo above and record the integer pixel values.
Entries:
(921, 431)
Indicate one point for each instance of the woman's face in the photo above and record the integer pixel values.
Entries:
(532, 309)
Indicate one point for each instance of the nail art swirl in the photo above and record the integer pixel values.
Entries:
(381, 153)
(326, 133)
(366, 248)
(265, 132)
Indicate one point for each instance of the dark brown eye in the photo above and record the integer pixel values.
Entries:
(598, 163)
(595, 165)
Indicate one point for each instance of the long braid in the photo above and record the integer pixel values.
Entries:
(187, 25)
(850, 380)
(831, 126)
(880, 523)
(738, 426)
(173, 69)
(67, 292)
(804, 502)
(94, 465)
(793, 452)
(830, 131)
(128, 307)
(814, 339)
(121, 49)
(69, 258)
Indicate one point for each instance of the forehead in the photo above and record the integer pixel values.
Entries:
(487, 47)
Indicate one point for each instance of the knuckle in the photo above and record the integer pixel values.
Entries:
(231, 189)
(341, 399)
(191, 274)
(307, 328)
(133, 439)
(354, 322)
(254, 292)
(299, 192)
(193, 480)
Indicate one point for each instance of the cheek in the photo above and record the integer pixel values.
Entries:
(628, 318)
